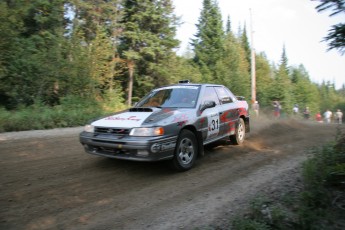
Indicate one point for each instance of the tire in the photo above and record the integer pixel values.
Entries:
(185, 151)
(240, 133)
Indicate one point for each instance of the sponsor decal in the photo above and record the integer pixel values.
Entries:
(181, 123)
(183, 117)
(180, 120)
(131, 118)
(123, 120)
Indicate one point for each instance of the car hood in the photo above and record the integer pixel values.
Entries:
(136, 117)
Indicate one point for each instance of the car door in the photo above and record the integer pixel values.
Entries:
(209, 118)
(228, 111)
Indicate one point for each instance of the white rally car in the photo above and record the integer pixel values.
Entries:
(170, 123)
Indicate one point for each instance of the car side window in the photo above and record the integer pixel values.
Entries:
(210, 95)
(224, 95)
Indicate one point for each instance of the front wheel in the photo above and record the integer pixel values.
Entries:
(240, 133)
(185, 151)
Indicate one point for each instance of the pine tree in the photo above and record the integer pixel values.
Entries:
(90, 15)
(209, 40)
(245, 44)
(10, 28)
(281, 90)
(264, 78)
(96, 20)
(305, 93)
(336, 35)
(228, 25)
(34, 58)
(329, 98)
(149, 28)
(232, 69)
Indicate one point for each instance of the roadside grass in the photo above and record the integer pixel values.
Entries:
(319, 205)
(71, 112)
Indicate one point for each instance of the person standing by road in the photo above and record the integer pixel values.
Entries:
(276, 107)
(295, 110)
(306, 113)
(318, 117)
(339, 116)
(327, 116)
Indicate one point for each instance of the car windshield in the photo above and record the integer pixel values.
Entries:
(172, 96)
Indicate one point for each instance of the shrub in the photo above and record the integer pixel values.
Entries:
(319, 206)
(72, 111)
(250, 224)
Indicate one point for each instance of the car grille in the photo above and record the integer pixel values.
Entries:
(108, 130)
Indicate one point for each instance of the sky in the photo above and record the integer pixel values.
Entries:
(293, 23)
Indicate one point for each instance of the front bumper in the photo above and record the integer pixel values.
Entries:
(129, 147)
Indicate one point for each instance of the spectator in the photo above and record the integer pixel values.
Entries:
(338, 116)
(327, 116)
(306, 113)
(295, 109)
(318, 117)
(277, 107)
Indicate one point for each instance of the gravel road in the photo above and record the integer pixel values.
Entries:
(49, 182)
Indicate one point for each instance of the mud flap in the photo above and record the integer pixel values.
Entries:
(247, 124)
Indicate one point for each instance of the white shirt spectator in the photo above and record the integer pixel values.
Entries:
(339, 116)
(327, 115)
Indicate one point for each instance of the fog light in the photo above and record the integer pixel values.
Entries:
(155, 148)
(142, 153)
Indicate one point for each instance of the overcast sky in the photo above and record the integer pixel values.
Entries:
(294, 23)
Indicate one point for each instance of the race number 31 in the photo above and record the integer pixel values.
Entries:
(213, 124)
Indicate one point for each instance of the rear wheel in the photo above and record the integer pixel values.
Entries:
(240, 133)
(185, 151)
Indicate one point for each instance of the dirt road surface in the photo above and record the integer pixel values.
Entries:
(49, 182)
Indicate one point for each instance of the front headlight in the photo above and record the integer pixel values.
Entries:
(89, 128)
(147, 132)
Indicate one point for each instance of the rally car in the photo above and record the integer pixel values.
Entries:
(170, 123)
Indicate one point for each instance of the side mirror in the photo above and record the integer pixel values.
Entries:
(240, 98)
(226, 100)
(207, 105)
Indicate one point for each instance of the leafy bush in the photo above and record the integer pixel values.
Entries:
(72, 111)
(324, 180)
(250, 224)
(319, 206)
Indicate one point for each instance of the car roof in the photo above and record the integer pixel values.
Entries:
(191, 84)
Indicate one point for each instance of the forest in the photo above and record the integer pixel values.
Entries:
(64, 62)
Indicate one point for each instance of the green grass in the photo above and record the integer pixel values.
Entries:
(321, 204)
(71, 112)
